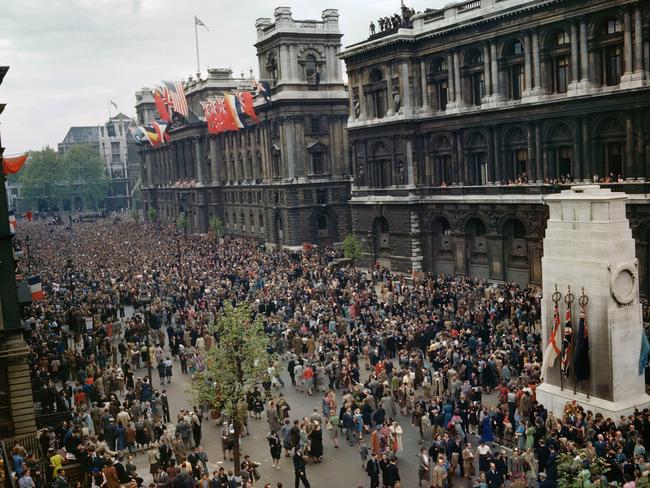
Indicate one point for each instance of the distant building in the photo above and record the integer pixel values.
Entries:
(116, 146)
(284, 180)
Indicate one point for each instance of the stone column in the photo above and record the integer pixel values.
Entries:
(410, 171)
(352, 115)
(199, 161)
(584, 56)
(423, 82)
(494, 72)
(537, 65)
(588, 172)
(462, 174)
(214, 166)
(285, 72)
(490, 156)
(406, 89)
(451, 82)
(486, 69)
(528, 63)
(389, 90)
(293, 66)
(498, 172)
(575, 73)
(629, 148)
(627, 41)
(638, 44)
(362, 98)
(539, 174)
(530, 154)
(455, 160)
(458, 94)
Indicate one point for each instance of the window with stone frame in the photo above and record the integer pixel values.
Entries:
(311, 68)
(318, 166)
(322, 225)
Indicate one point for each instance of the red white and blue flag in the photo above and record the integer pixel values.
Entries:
(35, 288)
(245, 99)
(235, 110)
(264, 89)
(162, 104)
(12, 221)
(175, 95)
(552, 349)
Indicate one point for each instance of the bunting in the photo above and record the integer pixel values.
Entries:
(11, 165)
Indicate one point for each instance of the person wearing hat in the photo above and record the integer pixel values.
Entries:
(391, 474)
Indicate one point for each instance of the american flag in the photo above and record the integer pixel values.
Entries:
(175, 95)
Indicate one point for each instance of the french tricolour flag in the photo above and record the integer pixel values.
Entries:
(12, 221)
(35, 288)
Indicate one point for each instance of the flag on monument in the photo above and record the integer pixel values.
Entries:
(645, 350)
(12, 221)
(553, 349)
(11, 165)
(567, 343)
(581, 360)
(35, 288)
(245, 99)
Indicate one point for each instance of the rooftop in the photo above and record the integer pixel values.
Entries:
(81, 135)
(284, 23)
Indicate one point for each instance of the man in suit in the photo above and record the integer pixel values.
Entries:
(492, 477)
(60, 481)
(299, 469)
(372, 468)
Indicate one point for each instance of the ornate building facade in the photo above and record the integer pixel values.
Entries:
(463, 118)
(284, 180)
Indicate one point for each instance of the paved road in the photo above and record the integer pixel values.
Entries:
(339, 467)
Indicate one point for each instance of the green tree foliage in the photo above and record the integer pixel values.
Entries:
(152, 214)
(44, 177)
(182, 222)
(352, 248)
(86, 174)
(216, 226)
(238, 361)
(575, 472)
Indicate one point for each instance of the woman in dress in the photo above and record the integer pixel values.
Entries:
(316, 443)
(275, 446)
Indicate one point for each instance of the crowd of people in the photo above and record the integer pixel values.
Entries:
(452, 358)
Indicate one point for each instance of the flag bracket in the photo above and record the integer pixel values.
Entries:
(569, 297)
(583, 299)
(556, 296)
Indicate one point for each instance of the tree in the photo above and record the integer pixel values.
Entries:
(136, 216)
(352, 248)
(238, 361)
(44, 177)
(216, 226)
(86, 174)
(152, 214)
(182, 222)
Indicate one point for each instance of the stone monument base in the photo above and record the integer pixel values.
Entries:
(554, 399)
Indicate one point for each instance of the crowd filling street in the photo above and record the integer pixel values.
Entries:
(378, 379)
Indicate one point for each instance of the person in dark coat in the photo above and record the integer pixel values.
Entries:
(275, 446)
(391, 475)
(372, 469)
(299, 469)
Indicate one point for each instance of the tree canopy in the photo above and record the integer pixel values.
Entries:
(80, 173)
(238, 361)
(352, 248)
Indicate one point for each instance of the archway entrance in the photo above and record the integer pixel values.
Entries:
(515, 252)
(476, 248)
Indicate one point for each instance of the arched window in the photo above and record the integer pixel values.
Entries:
(474, 77)
(439, 78)
(609, 42)
(475, 57)
(562, 38)
(514, 66)
(376, 93)
(310, 68)
(613, 26)
(272, 68)
(517, 48)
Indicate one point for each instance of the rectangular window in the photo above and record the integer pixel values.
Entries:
(321, 196)
(613, 66)
(115, 157)
(315, 125)
(516, 81)
(441, 91)
(478, 88)
(318, 163)
(115, 146)
(561, 74)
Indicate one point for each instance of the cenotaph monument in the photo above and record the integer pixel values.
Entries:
(589, 259)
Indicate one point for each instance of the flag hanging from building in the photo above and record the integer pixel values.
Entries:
(12, 221)
(198, 23)
(35, 287)
(224, 116)
(263, 88)
(245, 99)
(11, 165)
(581, 360)
(211, 116)
(152, 135)
(175, 95)
(235, 110)
(161, 103)
(139, 134)
(553, 349)
(567, 343)
(161, 131)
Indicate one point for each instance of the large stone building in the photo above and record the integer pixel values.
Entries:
(116, 146)
(449, 107)
(284, 180)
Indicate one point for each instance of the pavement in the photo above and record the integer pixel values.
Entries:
(340, 467)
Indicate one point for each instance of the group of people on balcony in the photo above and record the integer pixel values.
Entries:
(393, 22)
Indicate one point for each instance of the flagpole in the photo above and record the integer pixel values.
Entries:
(196, 38)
